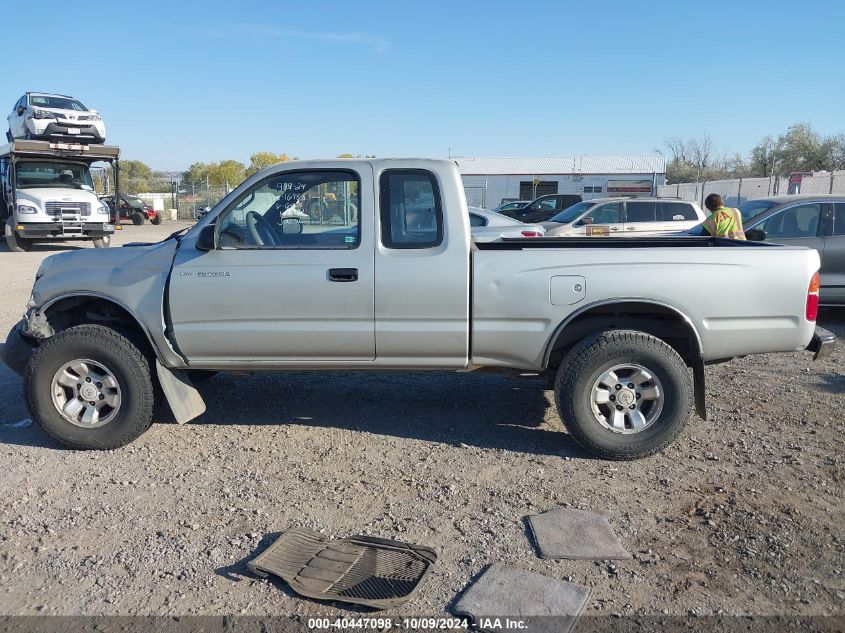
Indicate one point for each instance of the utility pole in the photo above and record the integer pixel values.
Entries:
(833, 173)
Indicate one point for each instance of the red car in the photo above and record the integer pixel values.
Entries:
(132, 208)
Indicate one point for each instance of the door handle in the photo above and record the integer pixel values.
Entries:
(343, 274)
(631, 228)
(614, 228)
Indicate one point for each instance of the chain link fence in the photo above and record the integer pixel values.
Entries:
(189, 198)
(738, 190)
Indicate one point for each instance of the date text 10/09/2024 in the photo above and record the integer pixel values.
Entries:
(417, 623)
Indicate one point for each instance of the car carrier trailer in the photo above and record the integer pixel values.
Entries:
(48, 194)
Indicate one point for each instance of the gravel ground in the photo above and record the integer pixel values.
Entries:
(742, 515)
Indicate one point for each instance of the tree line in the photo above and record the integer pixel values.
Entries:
(799, 149)
(137, 177)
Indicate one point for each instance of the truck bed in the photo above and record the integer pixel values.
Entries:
(741, 297)
(517, 244)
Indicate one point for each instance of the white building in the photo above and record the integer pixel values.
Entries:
(489, 180)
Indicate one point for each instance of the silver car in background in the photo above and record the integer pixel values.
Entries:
(601, 217)
(487, 226)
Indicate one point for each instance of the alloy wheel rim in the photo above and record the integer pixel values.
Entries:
(86, 393)
(627, 398)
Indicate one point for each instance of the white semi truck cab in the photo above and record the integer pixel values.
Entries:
(48, 193)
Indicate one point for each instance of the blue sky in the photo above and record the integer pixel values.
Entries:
(187, 81)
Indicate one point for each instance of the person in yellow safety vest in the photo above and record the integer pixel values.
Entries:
(722, 221)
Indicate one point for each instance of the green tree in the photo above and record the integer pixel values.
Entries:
(135, 177)
(197, 172)
(801, 148)
(262, 160)
(227, 172)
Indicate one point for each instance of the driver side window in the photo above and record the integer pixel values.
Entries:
(801, 220)
(295, 210)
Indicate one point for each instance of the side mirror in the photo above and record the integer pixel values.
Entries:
(291, 226)
(20, 110)
(205, 240)
(585, 221)
(756, 235)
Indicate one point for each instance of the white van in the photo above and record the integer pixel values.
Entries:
(624, 216)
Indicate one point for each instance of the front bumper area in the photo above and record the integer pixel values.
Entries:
(17, 349)
(822, 343)
(84, 132)
(59, 230)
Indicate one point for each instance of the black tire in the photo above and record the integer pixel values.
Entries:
(156, 219)
(131, 368)
(102, 242)
(15, 242)
(137, 218)
(589, 359)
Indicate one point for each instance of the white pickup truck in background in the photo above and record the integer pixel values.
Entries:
(388, 278)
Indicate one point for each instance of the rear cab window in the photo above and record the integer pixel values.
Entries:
(410, 209)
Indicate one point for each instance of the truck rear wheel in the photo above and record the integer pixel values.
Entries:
(90, 387)
(623, 394)
(15, 242)
(102, 242)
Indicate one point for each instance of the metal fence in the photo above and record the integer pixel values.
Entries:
(738, 190)
(189, 197)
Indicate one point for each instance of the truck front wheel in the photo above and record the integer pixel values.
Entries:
(15, 242)
(102, 242)
(623, 394)
(90, 387)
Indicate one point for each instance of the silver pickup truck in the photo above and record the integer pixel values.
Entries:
(369, 265)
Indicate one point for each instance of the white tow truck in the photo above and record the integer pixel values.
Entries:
(47, 193)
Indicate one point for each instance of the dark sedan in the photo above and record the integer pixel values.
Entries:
(542, 208)
(816, 221)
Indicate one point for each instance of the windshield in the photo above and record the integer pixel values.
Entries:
(568, 215)
(60, 103)
(31, 175)
(752, 208)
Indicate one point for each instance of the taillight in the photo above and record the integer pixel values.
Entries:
(531, 234)
(812, 310)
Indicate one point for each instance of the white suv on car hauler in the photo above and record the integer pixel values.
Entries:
(41, 115)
